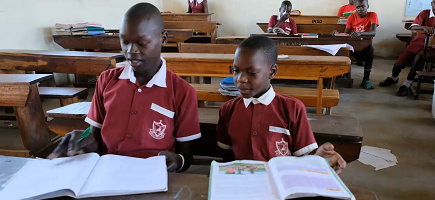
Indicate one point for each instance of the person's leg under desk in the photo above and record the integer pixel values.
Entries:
(400, 64)
(367, 54)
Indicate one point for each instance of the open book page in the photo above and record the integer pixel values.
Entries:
(240, 180)
(307, 176)
(9, 166)
(121, 175)
(331, 48)
(41, 177)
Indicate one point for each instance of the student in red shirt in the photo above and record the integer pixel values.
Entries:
(281, 23)
(414, 52)
(197, 6)
(347, 10)
(262, 124)
(363, 23)
(141, 109)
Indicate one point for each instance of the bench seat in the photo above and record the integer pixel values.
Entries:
(308, 96)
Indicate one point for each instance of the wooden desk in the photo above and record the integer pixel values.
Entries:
(180, 35)
(186, 16)
(74, 62)
(312, 28)
(357, 43)
(195, 187)
(21, 92)
(210, 28)
(404, 37)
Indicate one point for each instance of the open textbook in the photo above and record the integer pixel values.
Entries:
(280, 178)
(87, 175)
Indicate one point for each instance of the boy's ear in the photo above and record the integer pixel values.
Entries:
(273, 71)
(164, 38)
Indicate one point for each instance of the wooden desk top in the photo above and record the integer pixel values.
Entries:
(24, 78)
(195, 187)
(294, 60)
(94, 55)
(187, 14)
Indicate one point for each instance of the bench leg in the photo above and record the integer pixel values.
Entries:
(68, 101)
(319, 95)
(32, 123)
(417, 93)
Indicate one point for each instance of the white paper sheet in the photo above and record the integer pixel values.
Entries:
(332, 49)
(377, 157)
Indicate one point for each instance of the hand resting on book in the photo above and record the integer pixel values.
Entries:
(334, 159)
(71, 145)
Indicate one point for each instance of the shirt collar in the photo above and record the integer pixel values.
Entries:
(159, 79)
(279, 17)
(265, 99)
(431, 14)
(197, 1)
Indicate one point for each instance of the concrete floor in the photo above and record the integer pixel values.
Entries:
(398, 123)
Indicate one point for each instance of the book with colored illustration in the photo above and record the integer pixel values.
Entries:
(280, 178)
(87, 175)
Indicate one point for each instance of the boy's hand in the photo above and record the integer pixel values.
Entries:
(355, 34)
(334, 159)
(278, 31)
(429, 30)
(334, 32)
(173, 161)
(70, 145)
(284, 17)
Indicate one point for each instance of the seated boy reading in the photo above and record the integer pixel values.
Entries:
(281, 23)
(363, 23)
(141, 109)
(262, 124)
(414, 52)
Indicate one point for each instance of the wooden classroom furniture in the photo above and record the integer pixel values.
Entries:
(195, 187)
(294, 67)
(344, 133)
(427, 75)
(357, 43)
(21, 92)
(66, 95)
(74, 62)
(231, 49)
(187, 16)
(208, 27)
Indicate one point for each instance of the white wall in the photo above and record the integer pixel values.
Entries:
(25, 24)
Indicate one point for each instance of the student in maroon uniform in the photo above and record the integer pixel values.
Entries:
(262, 124)
(414, 52)
(281, 23)
(197, 6)
(141, 109)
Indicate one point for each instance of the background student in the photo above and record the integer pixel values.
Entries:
(347, 10)
(414, 52)
(262, 124)
(363, 23)
(197, 6)
(282, 23)
(141, 109)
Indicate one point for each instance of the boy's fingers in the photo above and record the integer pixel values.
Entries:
(61, 148)
(172, 166)
(72, 145)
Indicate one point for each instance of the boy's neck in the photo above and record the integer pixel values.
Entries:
(261, 93)
(145, 76)
(362, 16)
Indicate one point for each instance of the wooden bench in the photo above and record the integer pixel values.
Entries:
(66, 95)
(308, 96)
(186, 16)
(344, 133)
(231, 49)
(210, 28)
(21, 92)
(294, 67)
(180, 35)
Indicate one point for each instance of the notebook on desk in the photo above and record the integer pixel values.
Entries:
(87, 175)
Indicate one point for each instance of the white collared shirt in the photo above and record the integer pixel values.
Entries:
(265, 99)
(197, 1)
(159, 79)
(431, 14)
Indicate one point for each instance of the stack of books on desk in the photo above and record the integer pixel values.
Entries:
(87, 29)
(228, 88)
(63, 29)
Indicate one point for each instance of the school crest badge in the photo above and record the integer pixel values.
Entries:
(282, 148)
(158, 131)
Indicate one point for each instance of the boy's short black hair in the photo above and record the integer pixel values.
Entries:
(264, 44)
(362, 1)
(145, 11)
(286, 3)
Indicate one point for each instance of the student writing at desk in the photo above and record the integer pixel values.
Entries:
(413, 52)
(363, 23)
(261, 124)
(282, 23)
(347, 10)
(141, 109)
(197, 6)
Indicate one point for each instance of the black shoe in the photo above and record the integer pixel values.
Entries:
(387, 82)
(403, 91)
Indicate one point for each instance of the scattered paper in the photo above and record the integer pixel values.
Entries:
(332, 49)
(377, 157)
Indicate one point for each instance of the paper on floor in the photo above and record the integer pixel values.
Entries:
(377, 157)
(332, 49)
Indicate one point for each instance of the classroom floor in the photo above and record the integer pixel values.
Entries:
(401, 124)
